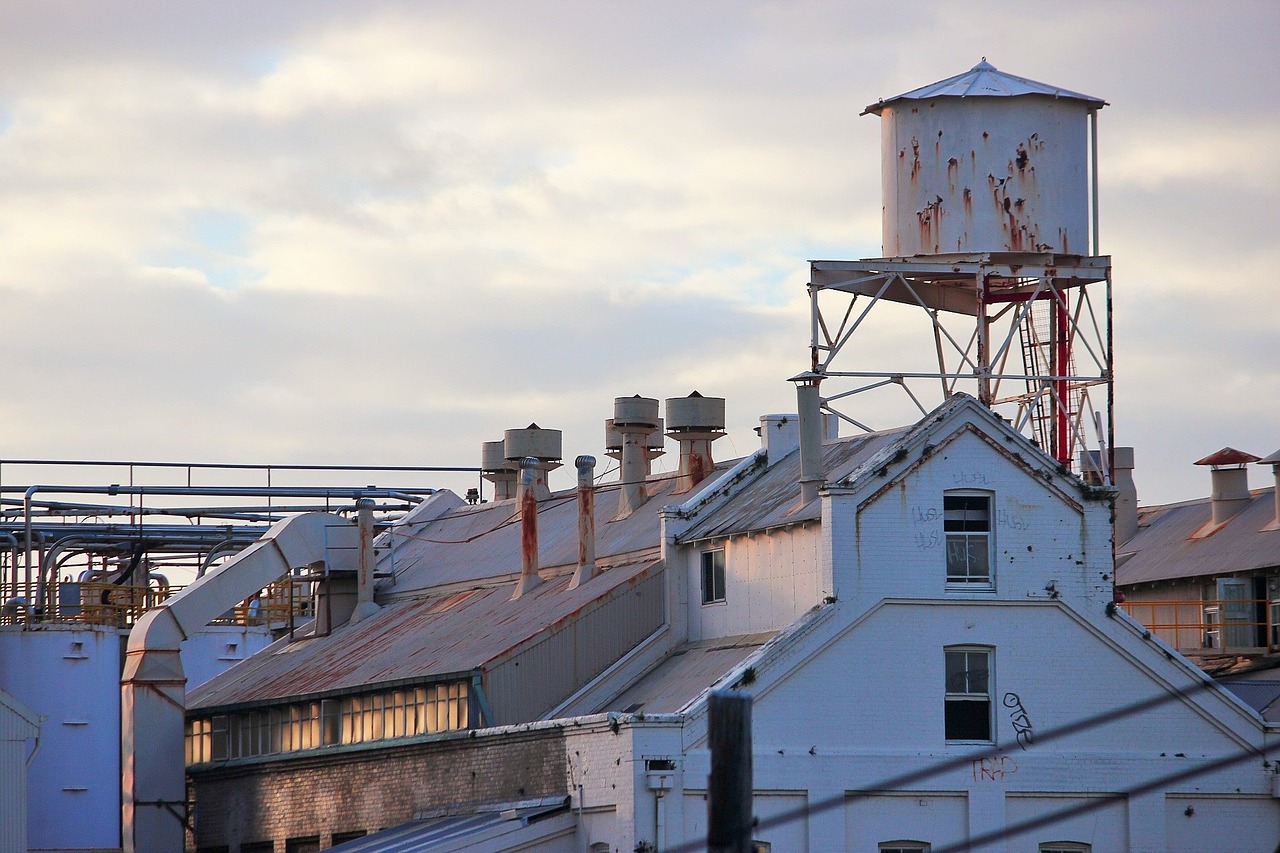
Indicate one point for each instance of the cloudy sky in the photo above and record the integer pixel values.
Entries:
(382, 232)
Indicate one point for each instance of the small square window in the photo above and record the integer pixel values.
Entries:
(967, 706)
(966, 520)
(712, 576)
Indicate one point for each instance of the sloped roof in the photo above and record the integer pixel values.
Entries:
(682, 677)
(1163, 548)
(436, 635)
(984, 80)
(474, 543)
(772, 498)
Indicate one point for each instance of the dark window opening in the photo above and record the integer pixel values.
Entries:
(713, 576)
(966, 520)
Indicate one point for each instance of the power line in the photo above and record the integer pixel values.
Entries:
(1048, 736)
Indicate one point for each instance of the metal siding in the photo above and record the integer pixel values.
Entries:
(537, 678)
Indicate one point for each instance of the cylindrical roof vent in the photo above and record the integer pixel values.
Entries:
(1230, 481)
(695, 413)
(493, 456)
(635, 411)
(985, 162)
(542, 444)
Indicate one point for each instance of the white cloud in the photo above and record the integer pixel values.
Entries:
(323, 232)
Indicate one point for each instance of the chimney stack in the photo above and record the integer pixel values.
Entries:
(779, 435)
(1230, 482)
(1126, 525)
(1274, 461)
(541, 445)
(809, 401)
(527, 501)
(586, 522)
(694, 421)
(365, 605)
(635, 419)
(495, 468)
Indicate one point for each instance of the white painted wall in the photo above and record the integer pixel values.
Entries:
(770, 580)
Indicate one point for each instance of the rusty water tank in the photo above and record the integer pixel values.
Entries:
(985, 162)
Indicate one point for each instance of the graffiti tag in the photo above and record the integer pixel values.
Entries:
(1022, 727)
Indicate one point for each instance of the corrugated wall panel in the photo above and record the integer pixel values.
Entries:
(530, 683)
(13, 793)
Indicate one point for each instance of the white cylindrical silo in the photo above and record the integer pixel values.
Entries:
(985, 162)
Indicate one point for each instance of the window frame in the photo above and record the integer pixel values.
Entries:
(903, 846)
(1064, 847)
(966, 532)
(713, 575)
(955, 700)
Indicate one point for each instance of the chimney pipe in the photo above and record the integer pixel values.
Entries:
(635, 419)
(779, 436)
(1230, 483)
(1126, 525)
(1274, 461)
(694, 421)
(809, 402)
(365, 605)
(586, 522)
(527, 501)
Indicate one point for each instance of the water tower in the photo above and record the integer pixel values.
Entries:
(990, 231)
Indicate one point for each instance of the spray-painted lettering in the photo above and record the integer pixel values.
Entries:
(970, 478)
(1011, 521)
(1022, 728)
(928, 541)
(925, 515)
(993, 769)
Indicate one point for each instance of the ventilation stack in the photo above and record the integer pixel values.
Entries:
(527, 502)
(587, 569)
(636, 420)
(495, 468)
(812, 466)
(694, 421)
(542, 445)
(1274, 461)
(1126, 524)
(1230, 482)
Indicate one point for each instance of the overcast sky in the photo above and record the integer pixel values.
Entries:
(383, 232)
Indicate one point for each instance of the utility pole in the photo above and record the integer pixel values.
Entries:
(729, 818)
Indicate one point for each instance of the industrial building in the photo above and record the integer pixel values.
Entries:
(924, 615)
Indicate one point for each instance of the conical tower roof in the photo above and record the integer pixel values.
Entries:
(984, 80)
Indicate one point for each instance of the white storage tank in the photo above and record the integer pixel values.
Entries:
(985, 162)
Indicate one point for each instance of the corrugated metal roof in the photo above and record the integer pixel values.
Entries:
(683, 676)
(984, 80)
(434, 635)
(1261, 696)
(474, 543)
(458, 832)
(1163, 548)
(772, 498)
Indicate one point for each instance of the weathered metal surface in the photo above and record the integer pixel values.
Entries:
(1164, 547)
(1228, 456)
(442, 634)
(683, 676)
(530, 679)
(773, 499)
(985, 161)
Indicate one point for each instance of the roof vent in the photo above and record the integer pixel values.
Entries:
(1230, 482)
(495, 468)
(636, 420)
(694, 421)
(542, 445)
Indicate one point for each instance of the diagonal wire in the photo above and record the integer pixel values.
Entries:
(1048, 736)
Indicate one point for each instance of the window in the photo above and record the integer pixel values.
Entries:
(712, 576)
(903, 847)
(309, 844)
(350, 835)
(967, 708)
(966, 520)
(1064, 847)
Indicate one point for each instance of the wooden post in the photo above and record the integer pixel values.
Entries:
(729, 818)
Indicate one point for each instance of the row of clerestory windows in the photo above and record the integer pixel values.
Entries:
(384, 715)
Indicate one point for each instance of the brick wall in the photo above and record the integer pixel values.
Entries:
(373, 788)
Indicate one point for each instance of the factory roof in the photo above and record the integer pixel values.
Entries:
(1166, 546)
